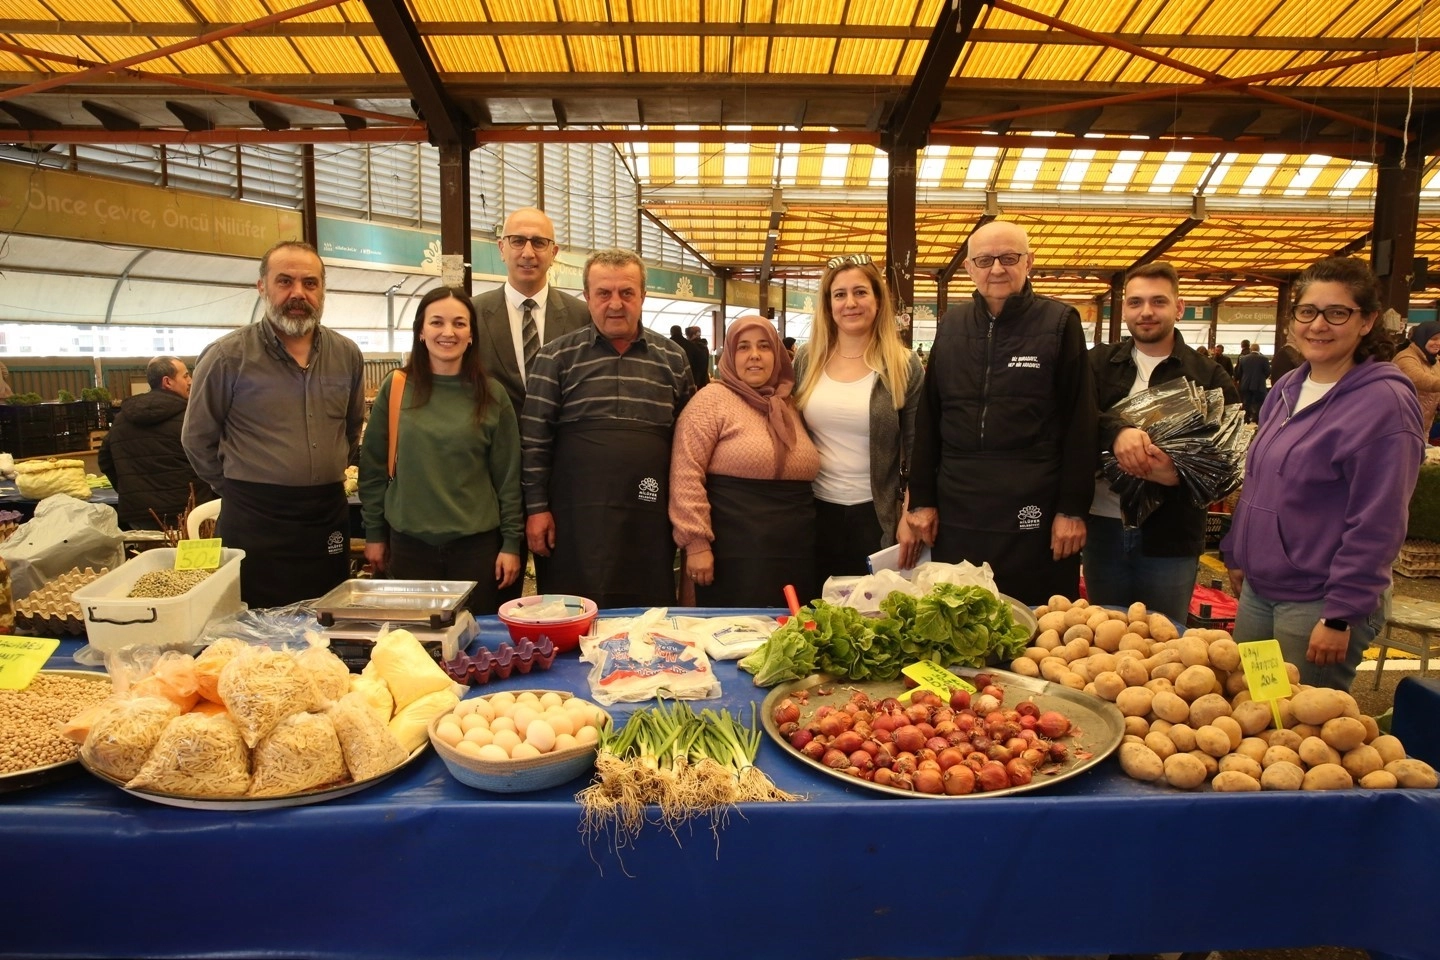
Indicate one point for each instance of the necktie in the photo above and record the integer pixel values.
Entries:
(529, 335)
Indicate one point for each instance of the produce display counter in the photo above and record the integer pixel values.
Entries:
(421, 866)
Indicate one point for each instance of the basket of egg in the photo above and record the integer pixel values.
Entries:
(515, 741)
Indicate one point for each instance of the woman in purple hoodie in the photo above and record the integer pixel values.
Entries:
(1328, 480)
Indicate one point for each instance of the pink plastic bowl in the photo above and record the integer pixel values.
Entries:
(565, 633)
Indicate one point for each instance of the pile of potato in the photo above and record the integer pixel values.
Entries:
(1188, 713)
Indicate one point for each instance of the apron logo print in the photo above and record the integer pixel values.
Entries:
(335, 544)
(1029, 517)
(649, 490)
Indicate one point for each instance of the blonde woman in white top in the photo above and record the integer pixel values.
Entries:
(858, 387)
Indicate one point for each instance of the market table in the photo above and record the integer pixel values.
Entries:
(1417, 718)
(421, 866)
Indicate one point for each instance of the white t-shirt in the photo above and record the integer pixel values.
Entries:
(838, 415)
(1310, 391)
(1106, 503)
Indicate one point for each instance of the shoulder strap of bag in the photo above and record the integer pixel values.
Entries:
(397, 393)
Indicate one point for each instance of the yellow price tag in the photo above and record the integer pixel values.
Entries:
(1265, 673)
(931, 676)
(21, 658)
(197, 554)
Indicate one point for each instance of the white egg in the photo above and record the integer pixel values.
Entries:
(502, 700)
(523, 751)
(465, 707)
(561, 722)
(493, 751)
(502, 723)
(565, 741)
(472, 720)
(528, 696)
(540, 735)
(449, 731)
(587, 735)
(524, 716)
(551, 699)
(483, 708)
(506, 740)
(470, 749)
(479, 735)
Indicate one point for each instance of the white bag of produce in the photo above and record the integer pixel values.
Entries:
(729, 638)
(65, 533)
(865, 593)
(648, 657)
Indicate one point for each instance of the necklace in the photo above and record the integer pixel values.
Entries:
(846, 356)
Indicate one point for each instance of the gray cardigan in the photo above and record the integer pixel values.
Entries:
(892, 437)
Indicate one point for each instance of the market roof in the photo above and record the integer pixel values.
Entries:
(1093, 123)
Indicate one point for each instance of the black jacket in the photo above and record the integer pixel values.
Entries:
(1177, 527)
(145, 462)
(1007, 416)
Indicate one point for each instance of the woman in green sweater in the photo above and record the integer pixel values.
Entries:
(452, 509)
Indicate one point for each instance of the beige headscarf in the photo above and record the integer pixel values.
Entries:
(773, 399)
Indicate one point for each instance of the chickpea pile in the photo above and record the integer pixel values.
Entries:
(30, 719)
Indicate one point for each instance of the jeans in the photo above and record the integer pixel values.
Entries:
(1117, 572)
(1291, 622)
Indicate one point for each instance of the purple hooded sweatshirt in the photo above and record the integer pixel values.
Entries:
(1327, 490)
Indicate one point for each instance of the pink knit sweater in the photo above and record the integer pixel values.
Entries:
(720, 433)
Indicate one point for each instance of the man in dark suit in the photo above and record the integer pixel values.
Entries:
(515, 319)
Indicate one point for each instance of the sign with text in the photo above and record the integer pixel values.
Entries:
(931, 676)
(21, 658)
(1265, 674)
(197, 554)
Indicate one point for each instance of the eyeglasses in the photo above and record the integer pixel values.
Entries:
(854, 260)
(1335, 314)
(517, 243)
(985, 261)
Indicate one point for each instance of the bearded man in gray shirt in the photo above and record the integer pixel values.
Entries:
(274, 419)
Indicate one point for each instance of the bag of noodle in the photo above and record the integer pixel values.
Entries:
(301, 753)
(199, 755)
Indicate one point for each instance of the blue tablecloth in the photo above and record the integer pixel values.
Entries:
(1417, 718)
(421, 866)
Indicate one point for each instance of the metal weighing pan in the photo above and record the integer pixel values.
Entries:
(1097, 727)
(433, 602)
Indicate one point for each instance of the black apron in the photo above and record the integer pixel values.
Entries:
(610, 496)
(296, 539)
(998, 508)
(764, 539)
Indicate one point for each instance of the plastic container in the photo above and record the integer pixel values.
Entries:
(114, 620)
(564, 632)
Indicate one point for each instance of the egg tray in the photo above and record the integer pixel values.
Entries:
(52, 610)
(525, 655)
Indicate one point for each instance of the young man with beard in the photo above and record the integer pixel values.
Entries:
(1154, 563)
(274, 419)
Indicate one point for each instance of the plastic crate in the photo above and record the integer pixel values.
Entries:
(1212, 609)
(114, 620)
(1216, 526)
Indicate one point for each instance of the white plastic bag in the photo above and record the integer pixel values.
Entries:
(647, 657)
(729, 638)
(65, 533)
(865, 593)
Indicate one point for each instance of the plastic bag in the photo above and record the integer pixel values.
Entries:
(729, 638)
(645, 658)
(865, 593)
(65, 533)
(271, 626)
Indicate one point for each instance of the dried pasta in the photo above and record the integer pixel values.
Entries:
(327, 671)
(261, 687)
(300, 754)
(211, 661)
(198, 756)
(369, 748)
(120, 742)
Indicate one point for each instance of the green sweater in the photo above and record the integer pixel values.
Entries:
(452, 479)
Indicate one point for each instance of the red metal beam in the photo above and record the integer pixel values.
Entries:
(200, 41)
(1160, 58)
(223, 135)
(181, 81)
(1182, 89)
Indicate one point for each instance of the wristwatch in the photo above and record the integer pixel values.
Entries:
(1335, 623)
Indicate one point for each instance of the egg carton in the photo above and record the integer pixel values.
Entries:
(525, 655)
(51, 610)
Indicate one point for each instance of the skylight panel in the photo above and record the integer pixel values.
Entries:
(1169, 172)
(880, 170)
(1305, 177)
(836, 162)
(1074, 173)
(1261, 174)
(1349, 180)
(737, 163)
(1123, 171)
(932, 166)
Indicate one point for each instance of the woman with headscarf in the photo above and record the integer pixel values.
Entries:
(740, 473)
(1417, 361)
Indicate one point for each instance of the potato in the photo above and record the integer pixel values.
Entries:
(1252, 747)
(1101, 662)
(1231, 728)
(1282, 775)
(1183, 736)
(1108, 634)
(1108, 685)
(1412, 773)
(1292, 673)
(1054, 620)
(1059, 603)
(1159, 657)
(1327, 776)
(1390, 748)
(1083, 669)
(1316, 752)
(1025, 667)
(1134, 701)
(1133, 641)
(1236, 684)
(1239, 762)
(1041, 610)
(1283, 738)
(1252, 716)
(1141, 628)
(1048, 639)
(1167, 671)
(1140, 762)
(1136, 612)
(1207, 708)
(1306, 730)
(1081, 602)
(1074, 649)
(1097, 616)
(1089, 688)
(1075, 617)
(1131, 738)
(1379, 780)
(1078, 632)
(1224, 654)
(1212, 740)
(1161, 628)
(1184, 771)
(1037, 654)
(1211, 765)
(1361, 760)
(1279, 754)
(1163, 726)
(1195, 682)
(1372, 729)
(1131, 671)
(1287, 714)
(1352, 707)
(1071, 679)
(1193, 652)
(1167, 705)
(1234, 781)
(1236, 699)
(1137, 726)
(1051, 668)
(1161, 744)
(1343, 733)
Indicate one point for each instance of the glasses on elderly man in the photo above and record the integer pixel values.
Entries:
(1336, 314)
(517, 242)
(985, 261)
(853, 260)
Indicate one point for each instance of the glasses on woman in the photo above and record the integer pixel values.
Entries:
(854, 260)
(517, 242)
(1335, 314)
(985, 261)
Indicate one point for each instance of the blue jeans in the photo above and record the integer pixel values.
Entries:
(1117, 572)
(1291, 622)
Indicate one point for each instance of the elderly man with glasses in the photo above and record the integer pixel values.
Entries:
(516, 319)
(1005, 445)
